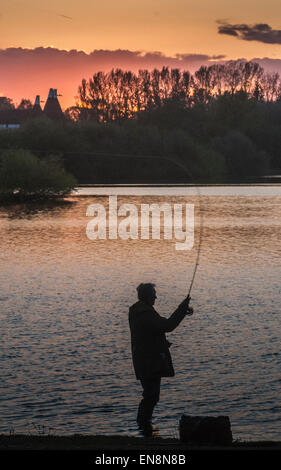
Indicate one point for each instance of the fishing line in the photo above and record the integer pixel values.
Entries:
(200, 231)
(199, 242)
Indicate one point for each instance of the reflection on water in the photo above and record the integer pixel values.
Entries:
(64, 299)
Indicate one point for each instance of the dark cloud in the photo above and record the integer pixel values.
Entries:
(270, 65)
(49, 57)
(261, 32)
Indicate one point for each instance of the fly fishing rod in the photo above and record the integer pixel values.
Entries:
(190, 312)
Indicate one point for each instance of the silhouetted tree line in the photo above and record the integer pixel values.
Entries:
(124, 94)
(6, 104)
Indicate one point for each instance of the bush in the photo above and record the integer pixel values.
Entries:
(24, 176)
(241, 155)
(43, 136)
(198, 159)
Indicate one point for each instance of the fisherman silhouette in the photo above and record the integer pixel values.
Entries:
(150, 349)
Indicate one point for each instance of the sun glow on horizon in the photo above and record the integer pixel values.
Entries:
(81, 38)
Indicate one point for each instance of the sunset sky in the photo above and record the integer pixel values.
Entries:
(207, 30)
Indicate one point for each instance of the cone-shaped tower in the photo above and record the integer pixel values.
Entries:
(37, 107)
(52, 107)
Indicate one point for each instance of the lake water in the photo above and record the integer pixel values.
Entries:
(65, 347)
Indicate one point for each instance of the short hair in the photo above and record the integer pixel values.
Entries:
(144, 290)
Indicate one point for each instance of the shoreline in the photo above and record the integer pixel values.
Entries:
(175, 185)
(115, 442)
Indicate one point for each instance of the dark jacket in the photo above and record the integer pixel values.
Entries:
(150, 348)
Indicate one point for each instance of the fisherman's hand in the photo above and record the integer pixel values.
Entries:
(189, 311)
(185, 303)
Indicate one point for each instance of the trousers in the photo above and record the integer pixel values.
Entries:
(151, 395)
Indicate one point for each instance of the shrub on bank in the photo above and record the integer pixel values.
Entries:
(25, 176)
(241, 155)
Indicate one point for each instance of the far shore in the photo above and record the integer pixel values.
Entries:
(265, 181)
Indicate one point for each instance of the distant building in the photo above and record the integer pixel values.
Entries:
(13, 118)
(52, 107)
(37, 106)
